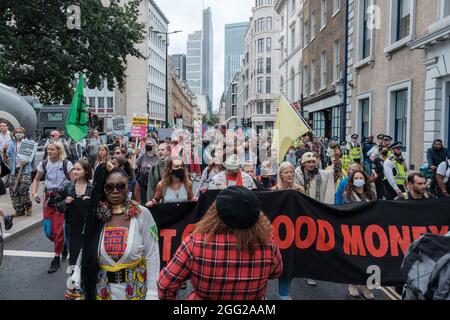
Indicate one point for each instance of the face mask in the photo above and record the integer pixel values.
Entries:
(359, 183)
(385, 153)
(148, 148)
(178, 173)
(19, 136)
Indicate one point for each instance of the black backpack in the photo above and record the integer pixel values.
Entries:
(44, 168)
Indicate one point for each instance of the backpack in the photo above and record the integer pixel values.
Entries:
(426, 268)
(44, 167)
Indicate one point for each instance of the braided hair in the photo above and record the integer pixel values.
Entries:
(92, 231)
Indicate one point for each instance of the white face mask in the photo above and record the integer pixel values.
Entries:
(359, 183)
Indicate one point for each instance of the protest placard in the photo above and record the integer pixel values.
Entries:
(139, 125)
(27, 151)
(119, 124)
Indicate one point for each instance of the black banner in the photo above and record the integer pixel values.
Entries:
(342, 244)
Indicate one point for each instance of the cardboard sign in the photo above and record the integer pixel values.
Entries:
(139, 125)
(27, 151)
(118, 124)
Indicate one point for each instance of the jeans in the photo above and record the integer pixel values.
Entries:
(283, 287)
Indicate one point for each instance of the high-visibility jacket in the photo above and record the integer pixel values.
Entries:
(355, 152)
(400, 176)
(346, 161)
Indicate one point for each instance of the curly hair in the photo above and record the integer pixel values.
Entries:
(212, 225)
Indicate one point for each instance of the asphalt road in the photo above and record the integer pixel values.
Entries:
(23, 276)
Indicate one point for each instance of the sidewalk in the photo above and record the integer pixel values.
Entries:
(21, 224)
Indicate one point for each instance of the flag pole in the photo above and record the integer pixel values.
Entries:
(306, 123)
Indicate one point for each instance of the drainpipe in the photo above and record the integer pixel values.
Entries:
(345, 96)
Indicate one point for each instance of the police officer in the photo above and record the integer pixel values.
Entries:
(395, 172)
(354, 148)
(346, 157)
(374, 152)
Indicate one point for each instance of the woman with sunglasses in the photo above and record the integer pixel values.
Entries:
(120, 258)
(175, 186)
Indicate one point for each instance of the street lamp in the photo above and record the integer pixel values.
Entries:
(167, 72)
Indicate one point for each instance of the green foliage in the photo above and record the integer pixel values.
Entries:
(40, 54)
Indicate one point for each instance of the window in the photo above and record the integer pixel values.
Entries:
(293, 7)
(367, 34)
(260, 107)
(313, 25)
(268, 65)
(268, 107)
(336, 6)
(269, 45)
(292, 85)
(268, 84)
(260, 45)
(282, 84)
(305, 33)
(313, 77)
(401, 115)
(305, 80)
(319, 123)
(269, 23)
(336, 60)
(323, 15)
(293, 40)
(101, 104)
(446, 4)
(401, 22)
(323, 68)
(260, 84)
(403, 19)
(109, 103)
(365, 117)
(260, 69)
(336, 122)
(92, 102)
(282, 49)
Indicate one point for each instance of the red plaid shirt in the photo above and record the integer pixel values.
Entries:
(218, 271)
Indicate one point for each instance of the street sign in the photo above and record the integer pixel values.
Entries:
(27, 151)
(118, 124)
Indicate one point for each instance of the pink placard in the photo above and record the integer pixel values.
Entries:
(139, 132)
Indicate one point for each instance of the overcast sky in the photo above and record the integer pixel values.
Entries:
(186, 15)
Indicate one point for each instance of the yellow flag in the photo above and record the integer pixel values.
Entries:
(288, 128)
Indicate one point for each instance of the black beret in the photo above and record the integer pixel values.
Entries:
(238, 207)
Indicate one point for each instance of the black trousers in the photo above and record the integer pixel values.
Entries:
(390, 192)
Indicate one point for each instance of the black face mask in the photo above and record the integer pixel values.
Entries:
(148, 148)
(178, 173)
(385, 154)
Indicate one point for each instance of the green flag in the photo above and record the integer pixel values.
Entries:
(76, 124)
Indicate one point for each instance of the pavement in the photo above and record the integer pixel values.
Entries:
(21, 225)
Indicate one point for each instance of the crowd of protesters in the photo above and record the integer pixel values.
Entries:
(102, 193)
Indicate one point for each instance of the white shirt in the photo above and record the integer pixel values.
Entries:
(55, 177)
(444, 170)
(5, 139)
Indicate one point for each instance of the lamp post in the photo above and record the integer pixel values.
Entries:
(167, 72)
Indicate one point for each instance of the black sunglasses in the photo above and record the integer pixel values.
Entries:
(110, 187)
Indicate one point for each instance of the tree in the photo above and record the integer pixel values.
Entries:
(40, 55)
(211, 119)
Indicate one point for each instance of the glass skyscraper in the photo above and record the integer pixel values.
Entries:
(208, 57)
(194, 62)
(234, 50)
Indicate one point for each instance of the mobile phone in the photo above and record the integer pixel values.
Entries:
(37, 199)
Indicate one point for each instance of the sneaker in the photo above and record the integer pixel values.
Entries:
(368, 294)
(353, 291)
(311, 282)
(54, 266)
(65, 253)
(28, 212)
(73, 294)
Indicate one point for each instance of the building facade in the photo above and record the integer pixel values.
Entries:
(194, 62)
(259, 70)
(231, 104)
(435, 42)
(179, 65)
(102, 102)
(387, 79)
(208, 57)
(234, 49)
(182, 102)
(145, 84)
(323, 64)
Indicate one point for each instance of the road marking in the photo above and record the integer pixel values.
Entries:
(28, 254)
(389, 293)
